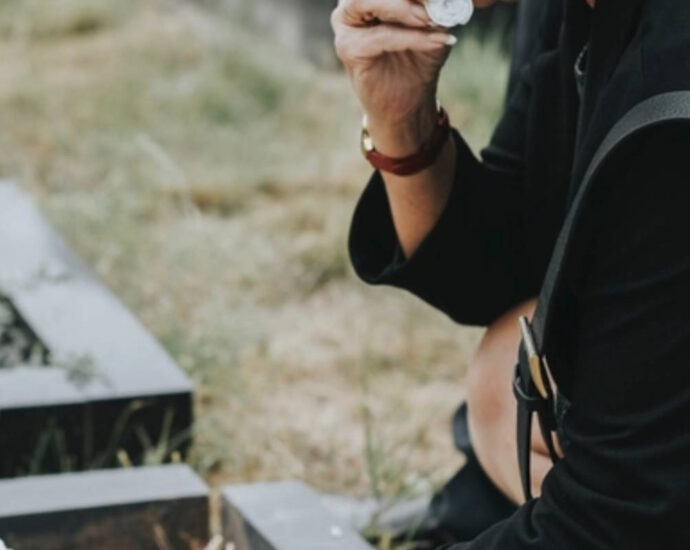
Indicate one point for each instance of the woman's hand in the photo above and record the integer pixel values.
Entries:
(394, 57)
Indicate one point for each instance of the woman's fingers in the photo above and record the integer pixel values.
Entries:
(361, 13)
(369, 43)
(366, 29)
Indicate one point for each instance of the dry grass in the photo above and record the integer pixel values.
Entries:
(209, 177)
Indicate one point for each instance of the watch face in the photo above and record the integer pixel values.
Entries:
(450, 13)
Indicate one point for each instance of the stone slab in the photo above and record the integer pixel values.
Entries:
(283, 516)
(130, 383)
(147, 507)
(395, 519)
(71, 311)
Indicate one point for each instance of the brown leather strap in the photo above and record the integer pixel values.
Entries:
(419, 161)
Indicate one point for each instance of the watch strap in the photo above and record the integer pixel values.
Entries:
(425, 157)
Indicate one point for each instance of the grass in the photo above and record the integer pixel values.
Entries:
(208, 177)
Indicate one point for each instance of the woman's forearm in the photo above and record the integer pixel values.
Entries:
(416, 201)
(393, 54)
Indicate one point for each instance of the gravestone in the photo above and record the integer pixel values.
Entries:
(283, 516)
(95, 388)
(164, 507)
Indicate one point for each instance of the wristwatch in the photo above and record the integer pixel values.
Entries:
(417, 162)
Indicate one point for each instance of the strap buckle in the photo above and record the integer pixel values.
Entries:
(532, 402)
(536, 365)
(532, 388)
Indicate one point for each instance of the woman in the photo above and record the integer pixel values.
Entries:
(474, 239)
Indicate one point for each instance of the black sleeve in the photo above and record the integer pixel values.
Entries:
(468, 266)
(471, 265)
(625, 481)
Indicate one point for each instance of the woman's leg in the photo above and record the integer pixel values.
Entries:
(492, 409)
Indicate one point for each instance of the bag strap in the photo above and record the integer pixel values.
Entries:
(532, 383)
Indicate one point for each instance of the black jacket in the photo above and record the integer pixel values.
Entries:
(623, 335)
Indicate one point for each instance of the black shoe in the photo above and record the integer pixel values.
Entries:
(469, 503)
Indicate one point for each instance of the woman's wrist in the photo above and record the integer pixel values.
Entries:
(405, 136)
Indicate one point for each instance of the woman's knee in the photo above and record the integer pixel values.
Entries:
(486, 395)
(490, 373)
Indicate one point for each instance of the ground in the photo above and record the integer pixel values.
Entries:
(209, 177)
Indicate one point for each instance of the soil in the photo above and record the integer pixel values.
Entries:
(18, 344)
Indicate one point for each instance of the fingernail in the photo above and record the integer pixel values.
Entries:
(451, 40)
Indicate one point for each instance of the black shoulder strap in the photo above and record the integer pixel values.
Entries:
(660, 109)
(531, 381)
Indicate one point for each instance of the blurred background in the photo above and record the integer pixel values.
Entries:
(202, 157)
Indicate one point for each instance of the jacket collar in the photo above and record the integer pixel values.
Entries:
(608, 28)
(613, 25)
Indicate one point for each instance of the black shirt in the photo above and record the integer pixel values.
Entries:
(622, 352)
